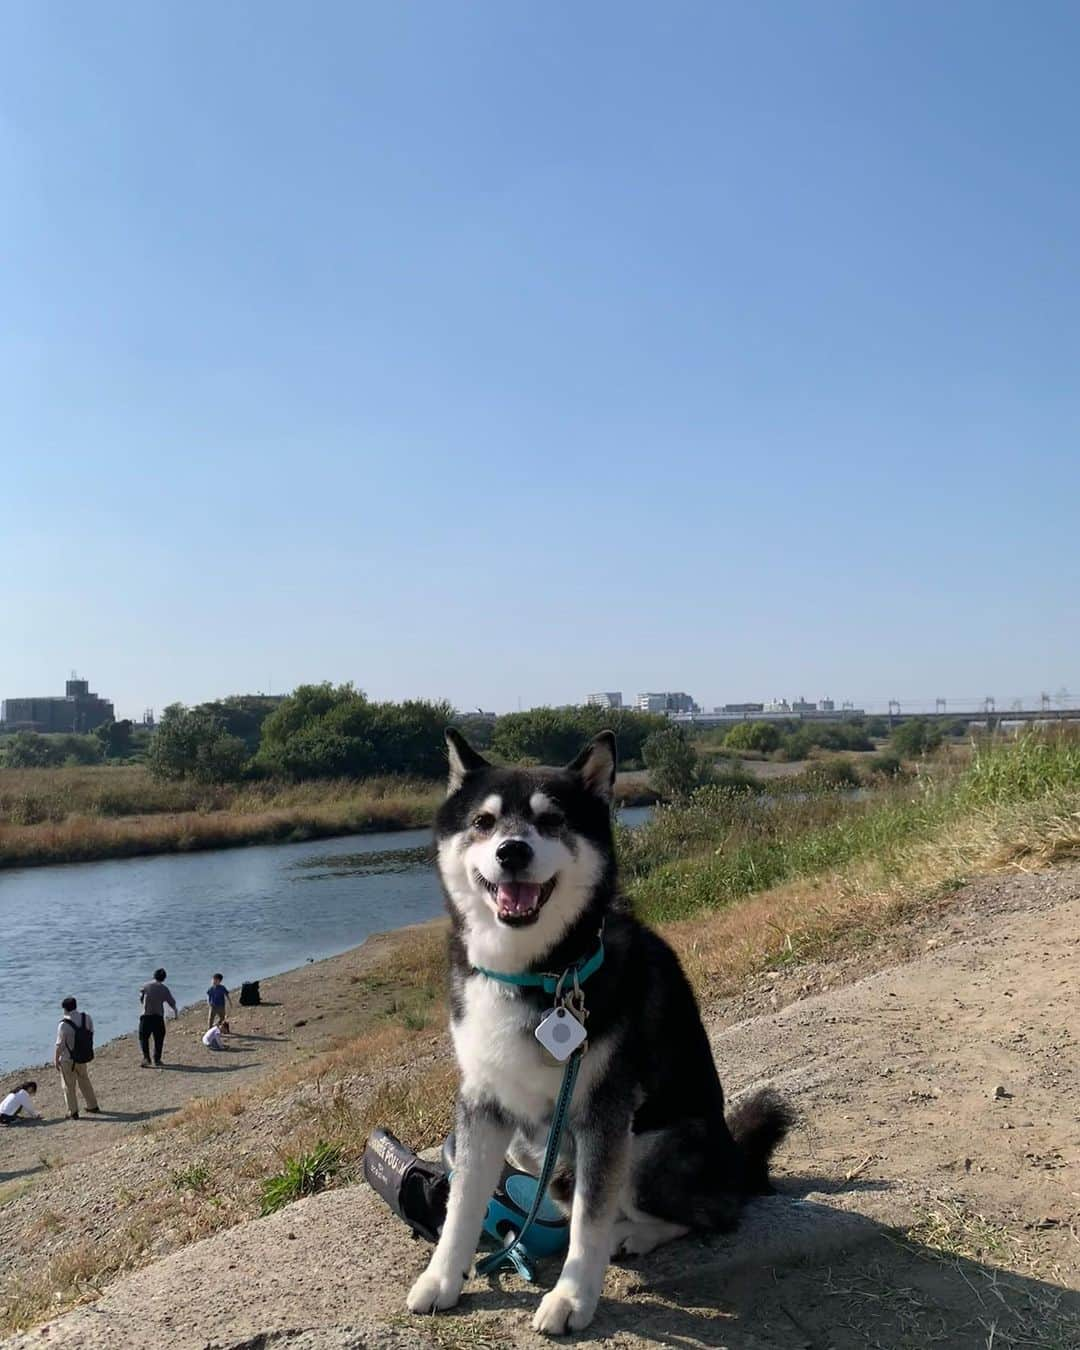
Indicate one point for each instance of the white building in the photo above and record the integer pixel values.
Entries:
(612, 699)
(669, 702)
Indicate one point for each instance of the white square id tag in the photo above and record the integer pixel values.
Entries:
(560, 1033)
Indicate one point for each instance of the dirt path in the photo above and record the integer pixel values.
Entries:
(940, 1096)
(303, 1010)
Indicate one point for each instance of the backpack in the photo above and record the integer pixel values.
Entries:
(249, 994)
(82, 1052)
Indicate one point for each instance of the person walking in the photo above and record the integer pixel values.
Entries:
(217, 996)
(154, 995)
(74, 1050)
(18, 1102)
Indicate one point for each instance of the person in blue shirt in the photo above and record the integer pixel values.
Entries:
(217, 998)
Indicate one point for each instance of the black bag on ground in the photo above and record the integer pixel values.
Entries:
(415, 1190)
(249, 994)
(82, 1052)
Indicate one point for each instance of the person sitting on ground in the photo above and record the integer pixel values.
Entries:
(154, 995)
(74, 1050)
(217, 996)
(18, 1103)
(212, 1038)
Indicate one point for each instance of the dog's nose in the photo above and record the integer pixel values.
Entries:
(514, 854)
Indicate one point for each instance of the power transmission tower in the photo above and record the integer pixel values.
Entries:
(939, 705)
(894, 706)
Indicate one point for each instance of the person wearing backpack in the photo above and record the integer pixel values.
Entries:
(74, 1051)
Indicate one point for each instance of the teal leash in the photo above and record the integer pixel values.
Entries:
(551, 984)
(551, 1158)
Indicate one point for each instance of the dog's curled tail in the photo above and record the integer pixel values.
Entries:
(758, 1124)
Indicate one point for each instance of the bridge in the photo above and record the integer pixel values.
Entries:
(987, 714)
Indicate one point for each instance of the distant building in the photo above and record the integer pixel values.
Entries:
(800, 705)
(738, 708)
(777, 705)
(827, 705)
(666, 703)
(608, 700)
(78, 710)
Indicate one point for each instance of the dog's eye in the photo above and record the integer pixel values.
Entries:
(550, 820)
(484, 822)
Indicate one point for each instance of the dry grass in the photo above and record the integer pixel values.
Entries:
(954, 1232)
(248, 816)
(78, 1273)
(1021, 1309)
(98, 811)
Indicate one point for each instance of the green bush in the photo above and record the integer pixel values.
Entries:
(115, 738)
(30, 750)
(761, 736)
(555, 735)
(915, 738)
(327, 731)
(830, 775)
(886, 765)
(674, 767)
(193, 743)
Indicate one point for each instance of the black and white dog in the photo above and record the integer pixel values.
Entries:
(528, 868)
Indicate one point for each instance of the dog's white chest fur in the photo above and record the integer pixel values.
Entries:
(499, 1057)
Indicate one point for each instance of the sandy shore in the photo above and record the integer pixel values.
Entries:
(304, 1011)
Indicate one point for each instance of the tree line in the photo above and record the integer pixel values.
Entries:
(336, 731)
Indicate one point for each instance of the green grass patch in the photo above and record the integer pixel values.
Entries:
(305, 1174)
(194, 1178)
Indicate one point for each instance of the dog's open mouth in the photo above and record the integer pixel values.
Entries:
(519, 902)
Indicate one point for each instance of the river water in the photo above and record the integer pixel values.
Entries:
(97, 930)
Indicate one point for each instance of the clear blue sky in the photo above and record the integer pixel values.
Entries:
(500, 350)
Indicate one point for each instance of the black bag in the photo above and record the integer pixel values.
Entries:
(82, 1052)
(249, 994)
(415, 1190)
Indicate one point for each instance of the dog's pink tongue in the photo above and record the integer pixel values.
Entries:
(518, 897)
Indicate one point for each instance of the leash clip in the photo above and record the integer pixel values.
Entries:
(573, 1000)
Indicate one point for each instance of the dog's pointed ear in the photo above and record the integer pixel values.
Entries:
(596, 764)
(463, 759)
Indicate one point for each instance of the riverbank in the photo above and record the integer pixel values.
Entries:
(87, 814)
(908, 1207)
(892, 888)
(304, 1012)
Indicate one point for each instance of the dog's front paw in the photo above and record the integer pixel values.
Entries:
(434, 1291)
(565, 1308)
